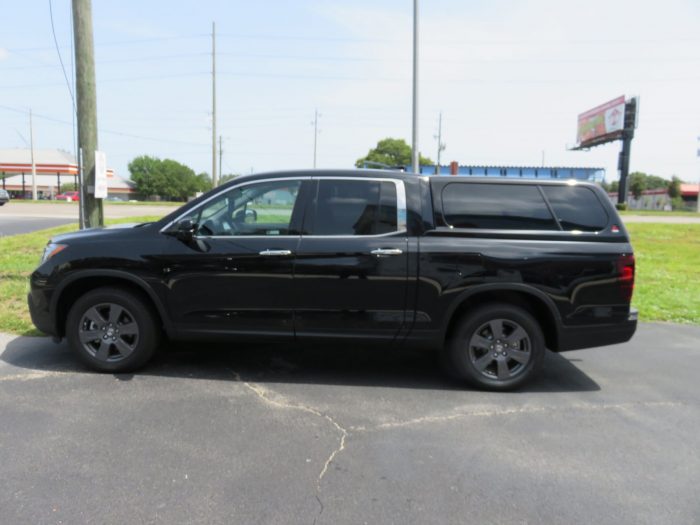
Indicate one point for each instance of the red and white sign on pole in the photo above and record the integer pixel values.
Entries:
(602, 123)
(100, 175)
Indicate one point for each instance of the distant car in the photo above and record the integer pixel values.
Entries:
(68, 196)
(4, 197)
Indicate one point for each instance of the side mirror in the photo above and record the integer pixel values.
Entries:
(185, 230)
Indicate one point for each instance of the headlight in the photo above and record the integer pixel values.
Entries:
(51, 250)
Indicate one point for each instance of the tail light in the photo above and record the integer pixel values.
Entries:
(625, 269)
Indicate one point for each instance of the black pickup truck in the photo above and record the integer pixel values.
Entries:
(490, 272)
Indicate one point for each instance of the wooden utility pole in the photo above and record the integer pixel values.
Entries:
(214, 177)
(221, 154)
(441, 145)
(87, 110)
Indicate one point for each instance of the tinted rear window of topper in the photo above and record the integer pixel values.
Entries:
(496, 207)
(521, 207)
(577, 208)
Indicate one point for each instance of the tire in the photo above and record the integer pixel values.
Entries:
(487, 360)
(112, 330)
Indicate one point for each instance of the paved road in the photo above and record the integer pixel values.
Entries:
(12, 225)
(668, 219)
(70, 209)
(606, 435)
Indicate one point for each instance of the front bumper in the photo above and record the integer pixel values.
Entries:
(40, 313)
(589, 336)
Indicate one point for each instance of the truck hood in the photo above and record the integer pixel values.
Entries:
(96, 234)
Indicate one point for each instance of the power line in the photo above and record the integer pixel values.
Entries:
(154, 58)
(60, 58)
(118, 42)
(108, 131)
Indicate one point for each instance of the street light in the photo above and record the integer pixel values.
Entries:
(415, 156)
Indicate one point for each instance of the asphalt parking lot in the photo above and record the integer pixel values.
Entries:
(269, 435)
(13, 225)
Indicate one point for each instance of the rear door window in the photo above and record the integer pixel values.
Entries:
(577, 208)
(354, 207)
(496, 207)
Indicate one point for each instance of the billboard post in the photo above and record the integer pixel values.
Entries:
(614, 120)
(630, 122)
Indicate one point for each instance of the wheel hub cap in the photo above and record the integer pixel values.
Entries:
(500, 349)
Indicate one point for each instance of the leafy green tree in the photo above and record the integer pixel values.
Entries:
(147, 176)
(392, 152)
(228, 177)
(674, 187)
(635, 184)
(166, 178)
(638, 181)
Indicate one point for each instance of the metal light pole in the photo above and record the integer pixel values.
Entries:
(315, 123)
(415, 157)
(31, 141)
(214, 176)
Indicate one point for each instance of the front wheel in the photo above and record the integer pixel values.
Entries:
(112, 330)
(496, 347)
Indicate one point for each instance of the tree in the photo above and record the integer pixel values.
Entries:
(636, 184)
(146, 175)
(392, 152)
(227, 177)
(166, 178)
(639, 181)
(674, 187)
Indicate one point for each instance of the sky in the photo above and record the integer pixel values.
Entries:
(509, 76)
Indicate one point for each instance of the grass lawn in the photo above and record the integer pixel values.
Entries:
(106, 203)
(661, 213)
(19, 255)
(667, 284)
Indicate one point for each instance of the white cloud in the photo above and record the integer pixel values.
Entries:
(4, 53)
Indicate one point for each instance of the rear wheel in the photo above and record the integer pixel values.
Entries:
(112, 330)
(497, 347)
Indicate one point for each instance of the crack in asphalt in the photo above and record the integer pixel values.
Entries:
(275, 399)
(514, 411)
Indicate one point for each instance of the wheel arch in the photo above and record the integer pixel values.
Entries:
(535, 302)
(85, 281)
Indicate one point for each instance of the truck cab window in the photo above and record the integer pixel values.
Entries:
(354, 207)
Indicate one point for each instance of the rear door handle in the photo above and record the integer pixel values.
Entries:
(275, 253)
(385, 252)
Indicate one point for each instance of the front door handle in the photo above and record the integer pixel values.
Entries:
(275, 253)
(385, 252)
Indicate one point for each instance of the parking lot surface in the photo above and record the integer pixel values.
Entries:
(13, 225)
(324, 435)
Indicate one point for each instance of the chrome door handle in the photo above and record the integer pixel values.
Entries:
(276, 253)
(384, 252)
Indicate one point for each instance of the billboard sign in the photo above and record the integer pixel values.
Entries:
(602, 123)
